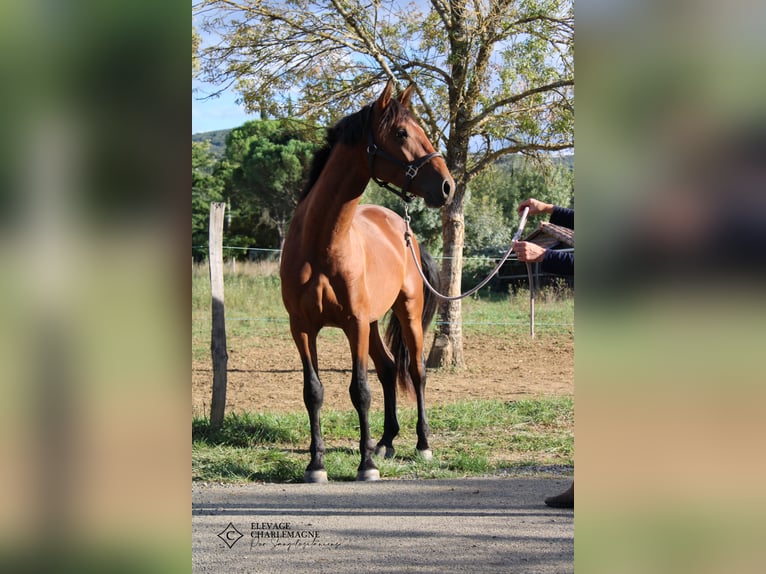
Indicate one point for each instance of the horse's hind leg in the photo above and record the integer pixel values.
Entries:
(418, 373)
(386, 369)
(412, 333)
(313, 397)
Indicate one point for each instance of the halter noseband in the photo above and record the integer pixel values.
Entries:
(411, 169)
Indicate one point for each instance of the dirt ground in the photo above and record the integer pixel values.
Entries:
(267, 376)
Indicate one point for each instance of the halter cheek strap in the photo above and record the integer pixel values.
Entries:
(411, 169)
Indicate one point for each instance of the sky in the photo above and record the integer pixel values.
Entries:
(218, 113)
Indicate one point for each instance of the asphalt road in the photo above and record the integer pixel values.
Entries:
(479, 526)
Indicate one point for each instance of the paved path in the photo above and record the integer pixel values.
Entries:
(479, 526)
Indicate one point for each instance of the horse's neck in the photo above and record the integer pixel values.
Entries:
(333, 200)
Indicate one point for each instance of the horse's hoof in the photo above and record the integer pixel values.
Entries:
(368, 475)
(426, 454)
(315, 476)
(386, 451)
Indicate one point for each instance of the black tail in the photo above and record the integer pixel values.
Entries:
(430, 301)
(394, 331)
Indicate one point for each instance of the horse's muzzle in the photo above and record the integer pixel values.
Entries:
(442, 195)
(448, 190)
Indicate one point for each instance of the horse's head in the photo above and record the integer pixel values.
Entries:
(400, 153)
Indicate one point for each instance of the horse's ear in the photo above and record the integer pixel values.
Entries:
(385, 97)
(404, 97)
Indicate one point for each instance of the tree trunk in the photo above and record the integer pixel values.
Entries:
(447, 349)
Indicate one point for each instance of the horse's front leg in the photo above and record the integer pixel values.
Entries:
(358, 336)
(313, 397)
(413, 338)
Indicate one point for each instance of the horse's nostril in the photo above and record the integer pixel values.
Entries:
(446, 188)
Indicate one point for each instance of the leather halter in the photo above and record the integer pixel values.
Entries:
(411, 169)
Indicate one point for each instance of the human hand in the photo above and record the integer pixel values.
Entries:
(529, 252)
(535, 206)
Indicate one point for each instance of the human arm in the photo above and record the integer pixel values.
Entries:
(535, 206)
(528, 251)
(558, 262)
(562, 216)
(553, 261)
(559, 215)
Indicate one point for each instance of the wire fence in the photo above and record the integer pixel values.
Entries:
(275, 252)
(272, 254)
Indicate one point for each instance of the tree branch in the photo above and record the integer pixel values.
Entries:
(490, 109)
(567, 23)
(490, 158)
(443, 11)
(372, 48)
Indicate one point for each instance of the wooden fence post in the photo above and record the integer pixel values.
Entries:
(218, 338)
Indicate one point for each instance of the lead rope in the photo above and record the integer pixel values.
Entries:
(522, 223)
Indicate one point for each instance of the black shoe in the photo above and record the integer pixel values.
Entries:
(563, 500)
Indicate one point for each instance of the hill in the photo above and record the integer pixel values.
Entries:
(216, 138)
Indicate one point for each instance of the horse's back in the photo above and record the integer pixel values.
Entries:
(379, 215)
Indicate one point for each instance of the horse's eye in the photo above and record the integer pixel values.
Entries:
(401, 133)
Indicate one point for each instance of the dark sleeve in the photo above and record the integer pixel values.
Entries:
(563, 216)
(558, 262)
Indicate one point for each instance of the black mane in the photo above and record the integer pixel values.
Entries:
(350, 131)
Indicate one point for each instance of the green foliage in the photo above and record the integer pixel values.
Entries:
(260, 173)
(266, 164)
(206, 188)
(513, 179)
(195, 50)
(487, 228)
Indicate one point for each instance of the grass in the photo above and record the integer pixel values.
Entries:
(469, 438)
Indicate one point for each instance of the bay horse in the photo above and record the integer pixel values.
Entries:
(345, 265)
